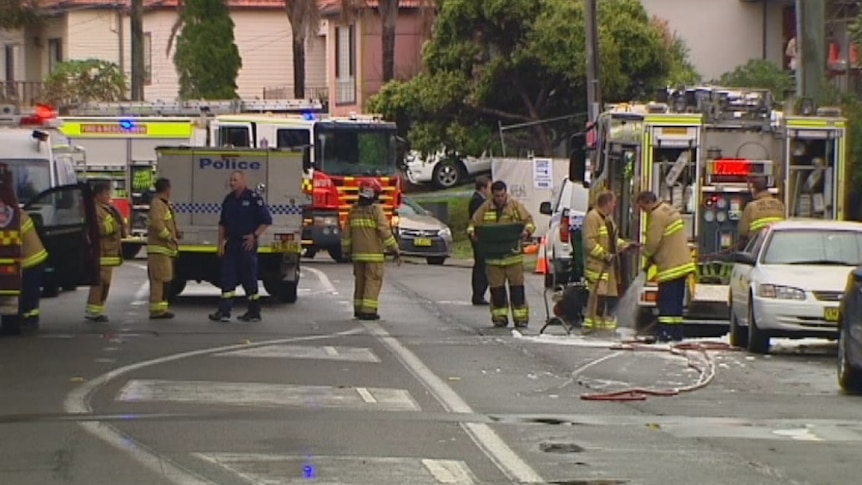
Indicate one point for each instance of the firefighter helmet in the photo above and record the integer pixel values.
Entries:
(370, 188)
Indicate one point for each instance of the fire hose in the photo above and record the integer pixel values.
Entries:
(706, 368)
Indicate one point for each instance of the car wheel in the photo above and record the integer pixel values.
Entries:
(738, 334)
(436, 260)
(337, 255)
(447, 174)
(849, 377)
(758, 341)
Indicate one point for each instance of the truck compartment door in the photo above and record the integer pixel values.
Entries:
(815, 169)
(65, 218)
(285, 197)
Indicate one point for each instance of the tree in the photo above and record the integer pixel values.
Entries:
(759, 73)
(15, 14)
(206, 58)
(304, 16)
(520, 61)
(682, 71)
(84, 81)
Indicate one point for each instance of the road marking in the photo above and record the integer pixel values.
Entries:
(78, 402)
(267, 395)
(260, 468)
(139, 266)
(324, 280)
(352, 354)
(485, 438)
(142, 295)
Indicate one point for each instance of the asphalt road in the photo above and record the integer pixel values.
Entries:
(430, 394)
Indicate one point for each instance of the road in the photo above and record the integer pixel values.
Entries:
(430, 394)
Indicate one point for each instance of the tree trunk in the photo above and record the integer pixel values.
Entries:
(136, 22)
(298, 66)
(388, 10)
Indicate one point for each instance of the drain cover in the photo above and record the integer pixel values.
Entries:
(560, 448)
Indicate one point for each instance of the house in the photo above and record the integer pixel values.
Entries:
(344, 57)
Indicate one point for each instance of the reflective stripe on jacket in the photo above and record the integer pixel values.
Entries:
(33, 253)
(597, 244)
(367, 234)
(666, 243)
(162, 228)
(111, 232)
(759, 213)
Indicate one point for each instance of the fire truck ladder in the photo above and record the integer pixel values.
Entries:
(198, 108)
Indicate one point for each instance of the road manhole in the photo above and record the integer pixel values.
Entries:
(560, 448)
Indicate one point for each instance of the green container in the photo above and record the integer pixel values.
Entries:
(499, 240)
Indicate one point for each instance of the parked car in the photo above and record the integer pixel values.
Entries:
(789, 281)
(421, 234)
(566, 211)
(850, 335)
(442, 171)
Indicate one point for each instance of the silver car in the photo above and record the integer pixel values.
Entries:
(421, 234)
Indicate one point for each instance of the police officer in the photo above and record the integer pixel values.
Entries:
(111, 232)
(162, 245)
(502, 209)
(603, 246)
(244, 218)
(760, 212)
(666, 246)
(365, 238)
(479, 277)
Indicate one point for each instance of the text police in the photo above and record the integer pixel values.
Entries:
(228, 164)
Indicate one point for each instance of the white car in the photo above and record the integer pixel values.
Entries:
(444, 172)
(789, 280)
(566, 212)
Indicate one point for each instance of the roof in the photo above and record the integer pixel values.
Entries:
(816, 224)
(327, 7)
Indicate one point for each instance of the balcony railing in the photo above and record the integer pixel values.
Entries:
(21, 93)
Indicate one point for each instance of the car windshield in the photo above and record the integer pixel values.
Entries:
(353, 150)
(31, 176)
(410, 208)
(810, 247)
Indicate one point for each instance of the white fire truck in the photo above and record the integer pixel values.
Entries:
(199, 178)
(696, 149)
(120, 141)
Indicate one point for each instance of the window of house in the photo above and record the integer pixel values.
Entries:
(148, 58)
(55, 53)
(345, 65)
(9, 61)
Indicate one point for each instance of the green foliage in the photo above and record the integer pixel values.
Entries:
(84, 81)
(759, 73)
(522, 61)
(206, 58)
(682, 71)
(15, 14)
(851, 109)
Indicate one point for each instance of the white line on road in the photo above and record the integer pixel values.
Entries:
(262, 468)
(78, 402)
(324, 280)
(348, 354)
(142, 295)
(260, 394)
(485, 438)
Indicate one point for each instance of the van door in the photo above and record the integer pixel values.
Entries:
(65, 219)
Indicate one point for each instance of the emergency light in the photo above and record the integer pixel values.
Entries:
(40, 116)
(309, 116)
(127, 124)
(731, 166)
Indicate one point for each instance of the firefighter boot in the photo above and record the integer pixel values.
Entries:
(253, 313)
(665, 333)
(219, 316)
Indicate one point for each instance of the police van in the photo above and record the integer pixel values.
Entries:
(199, 181)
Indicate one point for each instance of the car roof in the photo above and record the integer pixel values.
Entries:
(815, 224)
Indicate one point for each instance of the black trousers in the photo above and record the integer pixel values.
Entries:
(480, 276)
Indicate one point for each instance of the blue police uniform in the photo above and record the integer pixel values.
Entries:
(240, 216)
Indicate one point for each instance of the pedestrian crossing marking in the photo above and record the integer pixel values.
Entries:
(267, 395)
(272, 469)
(353, 354)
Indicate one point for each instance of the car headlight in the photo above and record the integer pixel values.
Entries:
(780, 292)
(445, 232)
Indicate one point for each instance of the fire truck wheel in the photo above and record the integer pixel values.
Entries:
(50, 290)
(310, 253)
(131, 250)
(282, 291)
(336, 254)
(175, 289)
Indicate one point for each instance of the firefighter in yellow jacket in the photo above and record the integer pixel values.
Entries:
(602, 245)
(365, 238)
(502, 209)
(759, 213)
(111, 232)
(162, 246)
(33, 260)
(666, 246)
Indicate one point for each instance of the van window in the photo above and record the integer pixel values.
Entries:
(294, 139)
(234, 136)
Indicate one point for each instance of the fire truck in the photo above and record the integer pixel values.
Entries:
(120, 140)
(344, 151)
(696, 148)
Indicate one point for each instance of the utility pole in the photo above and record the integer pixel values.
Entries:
(594, 92)
(811, 44)
(136, 21)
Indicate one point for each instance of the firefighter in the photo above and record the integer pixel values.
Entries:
(666, 247)
(603, 245)
(162, 246)
(502, 209)
(33, 260)
(112, 230)
(244, 218)
(760, 212)
(365, 238)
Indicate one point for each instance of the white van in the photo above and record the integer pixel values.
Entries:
(567, 211)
